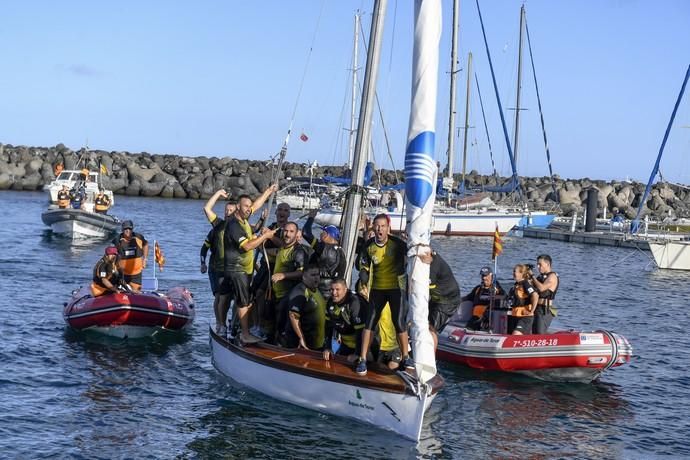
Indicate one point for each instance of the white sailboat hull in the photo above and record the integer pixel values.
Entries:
(458, 223)
(401, 413)
(672, 255)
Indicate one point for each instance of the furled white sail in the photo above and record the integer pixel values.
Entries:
(420, 177)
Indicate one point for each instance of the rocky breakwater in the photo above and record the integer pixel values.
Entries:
(173, 176)
(569, 196)
(144, 174)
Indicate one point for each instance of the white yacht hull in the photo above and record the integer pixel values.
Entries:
(672, 255)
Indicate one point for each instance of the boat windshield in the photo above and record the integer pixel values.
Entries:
(65, 175)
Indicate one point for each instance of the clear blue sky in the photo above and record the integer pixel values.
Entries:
(220, 78)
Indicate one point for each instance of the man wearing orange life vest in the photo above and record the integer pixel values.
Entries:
(133, 250)
(102, 202)
(63, 198)
(106, 275)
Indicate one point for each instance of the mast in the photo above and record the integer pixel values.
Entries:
(519, 87)
(467, 121)
(453, 76)
(353, 203)
(353, 108)
(420, 178)
(635, 224)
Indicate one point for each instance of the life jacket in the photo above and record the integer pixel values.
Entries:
(546, 297)
(63, 199)
(104, 269)
(548, 294)
(520, 299)
(131, 254)
(102, 202)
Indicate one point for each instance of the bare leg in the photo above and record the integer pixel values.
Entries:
(366, 342)
(434, 336)
(243, 315)
(403, 343)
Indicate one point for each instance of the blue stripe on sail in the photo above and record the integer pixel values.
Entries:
(419, 169)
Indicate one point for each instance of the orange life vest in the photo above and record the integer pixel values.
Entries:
(524, 305)
(63, 199)
(131, 255)
(102, 202)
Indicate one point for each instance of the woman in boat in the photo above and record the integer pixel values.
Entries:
(523, 301)
(106, 274)
(547, 285)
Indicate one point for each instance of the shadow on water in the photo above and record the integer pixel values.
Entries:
(500, 411)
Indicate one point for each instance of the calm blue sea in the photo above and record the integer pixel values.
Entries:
(63, 396)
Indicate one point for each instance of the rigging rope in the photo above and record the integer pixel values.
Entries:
(486, 128)
(541, 113)
(518, 187)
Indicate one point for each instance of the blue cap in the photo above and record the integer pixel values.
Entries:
(332, 231)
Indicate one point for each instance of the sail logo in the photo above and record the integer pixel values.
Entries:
(419, 169)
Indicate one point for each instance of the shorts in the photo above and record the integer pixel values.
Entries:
(385, 357)
(522, 324)
(215, 279)
(132, 278)
(439, 315)
(542, 320)
(237, 284)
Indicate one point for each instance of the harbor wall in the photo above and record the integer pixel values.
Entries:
(174, 176)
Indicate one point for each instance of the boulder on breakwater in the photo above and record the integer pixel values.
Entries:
(174, 176)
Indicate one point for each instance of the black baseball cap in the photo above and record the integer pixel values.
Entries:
(485, 271)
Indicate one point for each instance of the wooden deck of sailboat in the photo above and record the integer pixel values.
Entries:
(311, 363)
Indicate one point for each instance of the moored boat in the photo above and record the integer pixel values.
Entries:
(130, 314)
(389, 400)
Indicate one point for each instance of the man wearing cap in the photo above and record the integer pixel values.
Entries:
(381, 264)
(106, 274)
(133, 250)
(444, 293)
(482, 295)
(330, 257)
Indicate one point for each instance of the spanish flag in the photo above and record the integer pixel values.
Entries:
(498, 244)
(160, 258)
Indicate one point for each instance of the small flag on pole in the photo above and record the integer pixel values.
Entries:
(160, 258)
(498, 244)
(303, 137)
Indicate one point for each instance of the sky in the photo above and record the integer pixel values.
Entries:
(228, 78)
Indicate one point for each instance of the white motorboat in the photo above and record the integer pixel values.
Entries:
(70, 179)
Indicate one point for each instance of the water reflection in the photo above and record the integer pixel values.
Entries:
(246, 424)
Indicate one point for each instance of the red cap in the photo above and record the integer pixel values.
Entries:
(111, 251)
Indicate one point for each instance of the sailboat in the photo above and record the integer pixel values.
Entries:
(389, 400)
(668, 254)
(478, 220)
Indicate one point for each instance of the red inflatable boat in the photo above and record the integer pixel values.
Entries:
(559, 356)
(130, 315)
